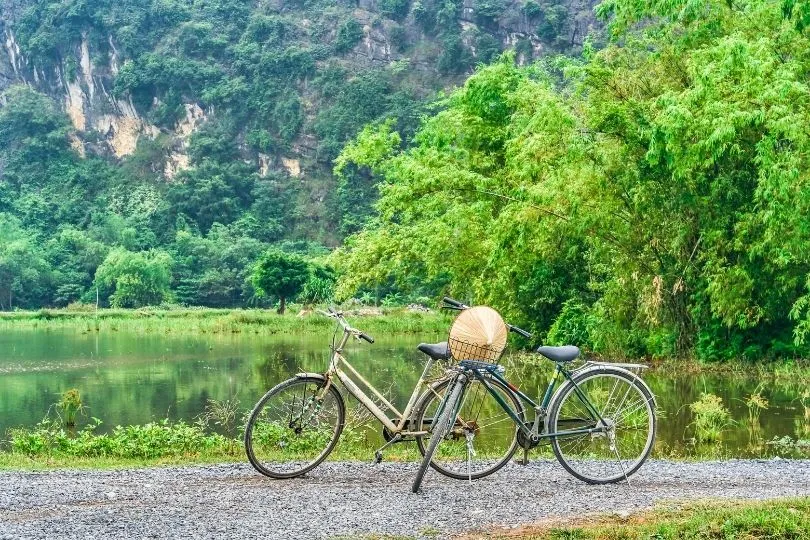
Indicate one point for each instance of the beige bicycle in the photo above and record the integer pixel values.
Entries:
(296, 425)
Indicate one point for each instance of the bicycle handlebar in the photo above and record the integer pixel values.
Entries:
(338, 315)
(520, 331)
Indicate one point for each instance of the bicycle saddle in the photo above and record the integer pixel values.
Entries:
(566, 353)
(437, 351)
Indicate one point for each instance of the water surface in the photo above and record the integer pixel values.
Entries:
(133, 378)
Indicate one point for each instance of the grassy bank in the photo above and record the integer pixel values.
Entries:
(51, 446)
(206, 320)
(782, 519)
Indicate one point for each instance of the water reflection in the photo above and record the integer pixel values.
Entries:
(128, 378)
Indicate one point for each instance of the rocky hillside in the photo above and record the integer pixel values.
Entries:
(296, 77)
(192, 115)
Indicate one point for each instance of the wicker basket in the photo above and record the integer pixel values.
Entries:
(462, 350)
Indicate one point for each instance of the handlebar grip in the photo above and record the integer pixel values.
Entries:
(365, 337)
(520, 331)
(452, 302)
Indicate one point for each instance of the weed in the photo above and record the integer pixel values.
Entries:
(756, 403)
(710, 418)
(69, 405)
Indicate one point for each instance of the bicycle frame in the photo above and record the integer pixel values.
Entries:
(336, 369)
(541, 408)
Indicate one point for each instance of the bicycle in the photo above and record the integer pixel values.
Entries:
(600, 422)
(297, 423)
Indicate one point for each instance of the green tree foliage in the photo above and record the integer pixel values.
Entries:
(281, 275)
(135, 279)
(454, 58)
(349, 34)
(395, 9)
(659, 190)
(488, 11)
(320, 285)
(23, 270)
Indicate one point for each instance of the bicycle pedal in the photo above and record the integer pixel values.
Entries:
(377, 458)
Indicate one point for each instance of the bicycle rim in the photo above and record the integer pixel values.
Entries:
(294, 427)
(481, 422)
(628, 409)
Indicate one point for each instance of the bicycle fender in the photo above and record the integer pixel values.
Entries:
(304, 375)
(320, 376)
(598, 368)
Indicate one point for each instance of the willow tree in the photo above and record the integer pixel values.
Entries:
(654, 192)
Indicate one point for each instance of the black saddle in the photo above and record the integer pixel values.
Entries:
(566, 353)
(437, 351)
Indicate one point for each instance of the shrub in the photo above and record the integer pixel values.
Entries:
(349, 34)
(710, 418)
(571, 325)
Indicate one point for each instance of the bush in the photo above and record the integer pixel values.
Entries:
(349, 34)
(394, 9)
(710, 417)
(571, 325)
(149, 441)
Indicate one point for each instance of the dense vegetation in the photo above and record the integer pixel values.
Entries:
(649, 198)
(272, 79)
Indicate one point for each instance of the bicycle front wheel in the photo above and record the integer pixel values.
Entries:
(294, 427)
(627, 409)
(483, 437)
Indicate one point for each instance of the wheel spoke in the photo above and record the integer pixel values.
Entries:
(292, 430)
(482, 426)
(628, 423)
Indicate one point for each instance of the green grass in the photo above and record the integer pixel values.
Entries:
(779, 519)
(50, 446)
(218, 321)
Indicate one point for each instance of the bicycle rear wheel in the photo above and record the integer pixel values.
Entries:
(483, 437)
(294, 427)
(627, 407)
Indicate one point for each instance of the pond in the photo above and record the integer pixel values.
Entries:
(133, 378)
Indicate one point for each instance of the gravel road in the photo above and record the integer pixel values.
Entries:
(232, 501)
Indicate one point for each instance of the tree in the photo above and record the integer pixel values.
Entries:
(23, 271)
(320, 285)
(132, 280)
(281, 275)
(663, 184)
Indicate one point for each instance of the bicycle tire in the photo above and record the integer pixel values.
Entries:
(318, 381)
(434, 393)
(441, 427)
(646, 400)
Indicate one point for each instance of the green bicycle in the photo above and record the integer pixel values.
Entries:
(600, 422)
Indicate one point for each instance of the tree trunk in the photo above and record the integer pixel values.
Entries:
(282, 306)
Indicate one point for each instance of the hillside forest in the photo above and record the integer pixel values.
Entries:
(632, 178)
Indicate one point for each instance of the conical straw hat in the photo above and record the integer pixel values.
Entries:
(478, 333)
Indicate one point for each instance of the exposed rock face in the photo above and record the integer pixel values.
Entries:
(83, 95)
(82, 84)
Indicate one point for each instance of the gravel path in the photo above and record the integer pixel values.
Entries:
(232, 501)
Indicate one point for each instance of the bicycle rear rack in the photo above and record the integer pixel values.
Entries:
(635, 368)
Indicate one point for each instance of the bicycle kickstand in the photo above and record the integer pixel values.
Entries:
(378, 453)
